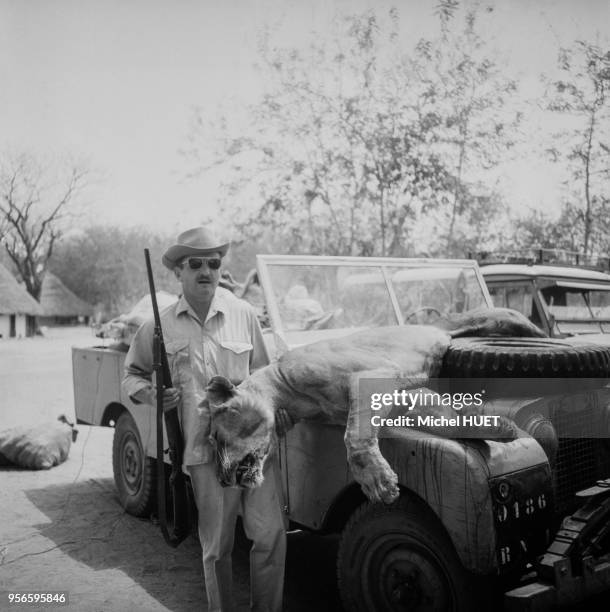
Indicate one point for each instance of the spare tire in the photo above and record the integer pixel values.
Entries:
(524, 358)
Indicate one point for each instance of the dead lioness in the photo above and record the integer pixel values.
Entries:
(320, 381)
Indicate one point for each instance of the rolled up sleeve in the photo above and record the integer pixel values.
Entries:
(139, 364)
(259, 356)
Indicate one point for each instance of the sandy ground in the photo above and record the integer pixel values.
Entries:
(63, 529)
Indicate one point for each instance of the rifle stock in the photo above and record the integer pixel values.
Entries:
(178, 531)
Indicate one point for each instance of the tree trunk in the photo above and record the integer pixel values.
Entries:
(587, 161)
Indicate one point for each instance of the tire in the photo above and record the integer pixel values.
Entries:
(134, 472)
(524, 358)
(398, 558)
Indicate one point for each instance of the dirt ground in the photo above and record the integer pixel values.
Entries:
(63, 529)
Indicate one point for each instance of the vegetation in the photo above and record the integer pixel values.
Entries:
(104, 265)
(358, 146)
(35, 203)
(582, 99)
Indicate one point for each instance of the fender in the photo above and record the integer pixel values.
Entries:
(453, 478)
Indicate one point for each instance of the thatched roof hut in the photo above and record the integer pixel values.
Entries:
(59, 302)
(14, 299)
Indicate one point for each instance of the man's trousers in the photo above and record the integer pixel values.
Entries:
(263, 520)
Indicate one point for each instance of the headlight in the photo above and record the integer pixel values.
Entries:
(502, 491)
(542, 430)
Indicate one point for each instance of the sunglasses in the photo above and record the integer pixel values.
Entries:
(194, 263)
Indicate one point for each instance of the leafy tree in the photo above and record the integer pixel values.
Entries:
(356, 146)
(446, 10)
(104, 265)
(537, 230)
(339, 159)
(470, 105)
(581, 98)
(35, 203)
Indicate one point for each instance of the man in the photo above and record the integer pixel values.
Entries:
(208, 332)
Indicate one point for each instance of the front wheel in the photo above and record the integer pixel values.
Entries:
(399, 558)
(134, 472)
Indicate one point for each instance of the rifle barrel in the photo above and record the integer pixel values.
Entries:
(167, 377)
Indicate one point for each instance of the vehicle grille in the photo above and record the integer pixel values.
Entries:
(581, 458)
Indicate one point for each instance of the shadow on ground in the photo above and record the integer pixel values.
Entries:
(88, 525)
(311, 575)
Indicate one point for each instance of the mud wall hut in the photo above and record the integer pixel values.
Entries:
(18, 309)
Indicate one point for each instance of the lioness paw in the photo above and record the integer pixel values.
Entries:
(378, 492)
(390, 491)
(381, 486)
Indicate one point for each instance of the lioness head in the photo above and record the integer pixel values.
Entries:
(241, 432)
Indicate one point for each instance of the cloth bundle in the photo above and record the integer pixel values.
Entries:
(124, 327)
(39, 447)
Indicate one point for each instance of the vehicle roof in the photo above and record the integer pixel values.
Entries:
(532, 271)
(334, 260)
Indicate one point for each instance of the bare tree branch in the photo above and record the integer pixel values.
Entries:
(32, 210)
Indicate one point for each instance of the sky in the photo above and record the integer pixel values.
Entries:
(115, 82)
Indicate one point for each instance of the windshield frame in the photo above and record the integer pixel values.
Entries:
(264, 262)
(583, 288)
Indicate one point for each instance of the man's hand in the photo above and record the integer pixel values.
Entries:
(171, 397)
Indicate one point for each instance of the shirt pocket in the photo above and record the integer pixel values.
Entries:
(235, 359)
(179, 360)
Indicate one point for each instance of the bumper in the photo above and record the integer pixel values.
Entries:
(567, 588)
(576, 565)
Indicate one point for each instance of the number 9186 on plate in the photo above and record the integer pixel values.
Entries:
(33, 598)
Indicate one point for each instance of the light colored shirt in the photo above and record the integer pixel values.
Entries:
(229, 343)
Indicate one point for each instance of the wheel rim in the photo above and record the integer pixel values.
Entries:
(405, 576)
(131, 463)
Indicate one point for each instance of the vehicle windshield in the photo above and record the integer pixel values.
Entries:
(310, 297)
(577, 304)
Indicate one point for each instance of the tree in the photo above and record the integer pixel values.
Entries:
(338, 158)
(356, 145)
(537, 230)
(581, 97)
(35, 203)
(472, 104)
(104, 265)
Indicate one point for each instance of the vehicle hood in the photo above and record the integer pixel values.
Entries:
(602, 339)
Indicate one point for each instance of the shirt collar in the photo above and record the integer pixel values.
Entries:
(219, 304)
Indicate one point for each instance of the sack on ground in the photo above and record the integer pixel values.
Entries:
(40, 447)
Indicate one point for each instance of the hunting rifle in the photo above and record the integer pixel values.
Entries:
(177, 481)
